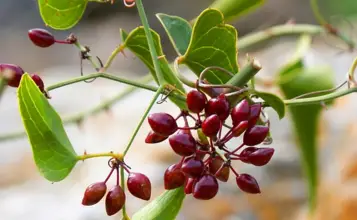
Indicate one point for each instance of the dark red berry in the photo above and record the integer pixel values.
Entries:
(162, 124)
(16, 74)
(193, 167)
(94, 193)
(37, 79)
(153, 138)
(255, 111)
(206, 187)
(240, 128)
(211, 125)
(173, 177)
(261, 156)
(183, 143)
(196, 101)
(139, 185)
(215, 166)
(219, 106)
(255, 135)
(246, 152)
(247, 183)
(115, 200)
(189, 184)
(41, 37)
(240, 112)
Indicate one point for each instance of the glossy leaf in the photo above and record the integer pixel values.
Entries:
(213, 43)
(305, 118)
(178, 30)
(165, 207)
(235, 8)
(52, 151)
(273, 101)
(63, 14)
(137, 43)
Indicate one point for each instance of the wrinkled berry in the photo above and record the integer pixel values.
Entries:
(261, 156)
(255, 111)
(37, 79)
(173, 177)
(206, 187)
(153, 138)
(94, 193)
(240, 112)
(193, 167)
(189, 184)
(219, 106)
(41, 37)
(255, 135)
(139, 185)
(216, 165)
(115, 200)
(183, 143)
(247, 183)
(162, 124)
(196, 101)
(211, 126)
(14, 80)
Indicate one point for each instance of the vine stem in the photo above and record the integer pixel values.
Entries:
(351, 72)
(122, 183)
(112, 56)
(158, 92)
(3, 85)
(90, 58)
(109, 154)
(153, 52)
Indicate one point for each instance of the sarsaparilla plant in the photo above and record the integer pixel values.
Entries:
(222, 104)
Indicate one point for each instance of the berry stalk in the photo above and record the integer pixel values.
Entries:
(86, 156)
(122, 183)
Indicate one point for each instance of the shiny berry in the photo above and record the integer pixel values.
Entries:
(162, 124)
(189, 184)
(240, 112)
(115, 200)
(219, 106)
(206, 187)
(139, 185)
(215, 166)
(255, 135)
(153, 138)
(261, 156)
(37, 79)
(193, 167)
(183, 143)
(173, 177)
(196, 101)
(246, 152)
(94, 193)
(255, 111)
(211, 125)
(247, 183)
(15, 77)
(240, 128)
(41, 37)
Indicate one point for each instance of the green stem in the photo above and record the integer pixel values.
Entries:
(246, 74)
(351, 71)
(315, 9)
(122, 183)
(150, 40)
(90, 58)
(112, 57)
(3, 84)
(110, 154)
(158, 92)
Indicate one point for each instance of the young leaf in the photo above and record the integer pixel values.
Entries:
(63, 14)
(52, 151)
(165, 207)
(178, 30)
(137, 43)
(212, 43)
(235, 8)
(273, 101)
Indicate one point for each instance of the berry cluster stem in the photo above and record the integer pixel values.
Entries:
(122, 183)
(109, 154)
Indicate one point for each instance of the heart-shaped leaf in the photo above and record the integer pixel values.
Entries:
(52, 151)
(178, 30)
(63, 14)
(164, 207)
(136, 41)
(213, 43)
(273, 101)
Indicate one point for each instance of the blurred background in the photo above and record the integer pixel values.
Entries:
(26, 195)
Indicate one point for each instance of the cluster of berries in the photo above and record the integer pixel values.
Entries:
(138, 185)
(206, 158)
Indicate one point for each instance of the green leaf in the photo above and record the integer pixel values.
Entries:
(63, 14)
(164, 207)
(178, 30)
(273, 101)
(235, 8)
(298, 80)
(52, 151)
(212, 43)
(136, 41)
